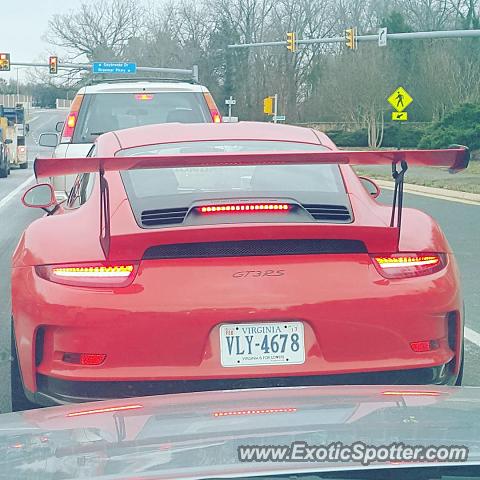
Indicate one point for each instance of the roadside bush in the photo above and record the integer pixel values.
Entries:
(402, 135)
(405, 135)
(357, 138)
(461, 125)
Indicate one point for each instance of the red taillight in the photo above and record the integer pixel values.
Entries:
(424, 346)
(244, 208)
(104, 410)
(405, 265)
(215, 114)
(69, 128)
(72, 120)
(262, 411)
(89, 275)
(87, 359)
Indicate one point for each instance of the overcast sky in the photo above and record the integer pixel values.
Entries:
(24, 22)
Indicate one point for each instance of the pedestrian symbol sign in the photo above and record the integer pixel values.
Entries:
(400, 99)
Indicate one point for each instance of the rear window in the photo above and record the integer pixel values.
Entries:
(180, 187)
(105, 112)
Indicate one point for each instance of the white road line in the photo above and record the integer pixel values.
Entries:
(33, 119)
(472, 336)
(12, 194)
(432, 195)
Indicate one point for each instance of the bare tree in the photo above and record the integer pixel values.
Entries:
(100, 30)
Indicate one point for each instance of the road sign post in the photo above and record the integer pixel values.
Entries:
(275, 108)
(230, 101)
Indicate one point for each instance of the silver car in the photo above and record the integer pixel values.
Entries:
(105, 107)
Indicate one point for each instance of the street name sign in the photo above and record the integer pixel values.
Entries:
(114, 67)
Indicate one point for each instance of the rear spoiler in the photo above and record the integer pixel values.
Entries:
(454, 159)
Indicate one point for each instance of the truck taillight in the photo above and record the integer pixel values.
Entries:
(69, 128)
(407, 265)
(89, 275)
(214, 112)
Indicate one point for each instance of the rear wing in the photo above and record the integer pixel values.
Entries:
(454, 159)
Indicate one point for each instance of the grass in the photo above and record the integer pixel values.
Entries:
(466, 181)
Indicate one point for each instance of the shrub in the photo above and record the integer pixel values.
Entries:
(461, 126)
(405, 136)
(402, 135)
(357, 138)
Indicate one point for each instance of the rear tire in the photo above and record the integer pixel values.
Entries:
(19, 400)
(458, 381)
(24, 166)
(3, 170)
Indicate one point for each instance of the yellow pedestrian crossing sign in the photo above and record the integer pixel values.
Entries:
(402, 116)
(400, 99)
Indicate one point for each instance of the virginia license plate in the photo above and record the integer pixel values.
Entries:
(279, 343)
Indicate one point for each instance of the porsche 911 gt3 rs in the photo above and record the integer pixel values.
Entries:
(196, 257)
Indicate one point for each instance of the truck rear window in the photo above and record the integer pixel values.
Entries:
(105, 112)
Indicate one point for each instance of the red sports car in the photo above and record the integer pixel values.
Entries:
(199, 257)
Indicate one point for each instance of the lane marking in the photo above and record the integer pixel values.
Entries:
(14, 192)
(472, 336)
(33, 119)
(433, 195)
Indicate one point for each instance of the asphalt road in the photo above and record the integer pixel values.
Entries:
(459, 222)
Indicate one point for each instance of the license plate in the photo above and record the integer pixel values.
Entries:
(279, 343)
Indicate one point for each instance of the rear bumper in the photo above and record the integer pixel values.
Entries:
(52, 391)
(156, 338)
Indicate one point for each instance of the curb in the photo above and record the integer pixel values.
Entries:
(442, 193)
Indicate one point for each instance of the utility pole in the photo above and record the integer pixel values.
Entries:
(275, 108)
(18, 87)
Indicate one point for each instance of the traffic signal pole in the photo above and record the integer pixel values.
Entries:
(275, 108)
(193, 73)
(370, 38)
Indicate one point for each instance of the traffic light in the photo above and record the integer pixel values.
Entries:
(351, 38)
(53, 65)
(268, 105)
(292, 41)
(4, 62)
